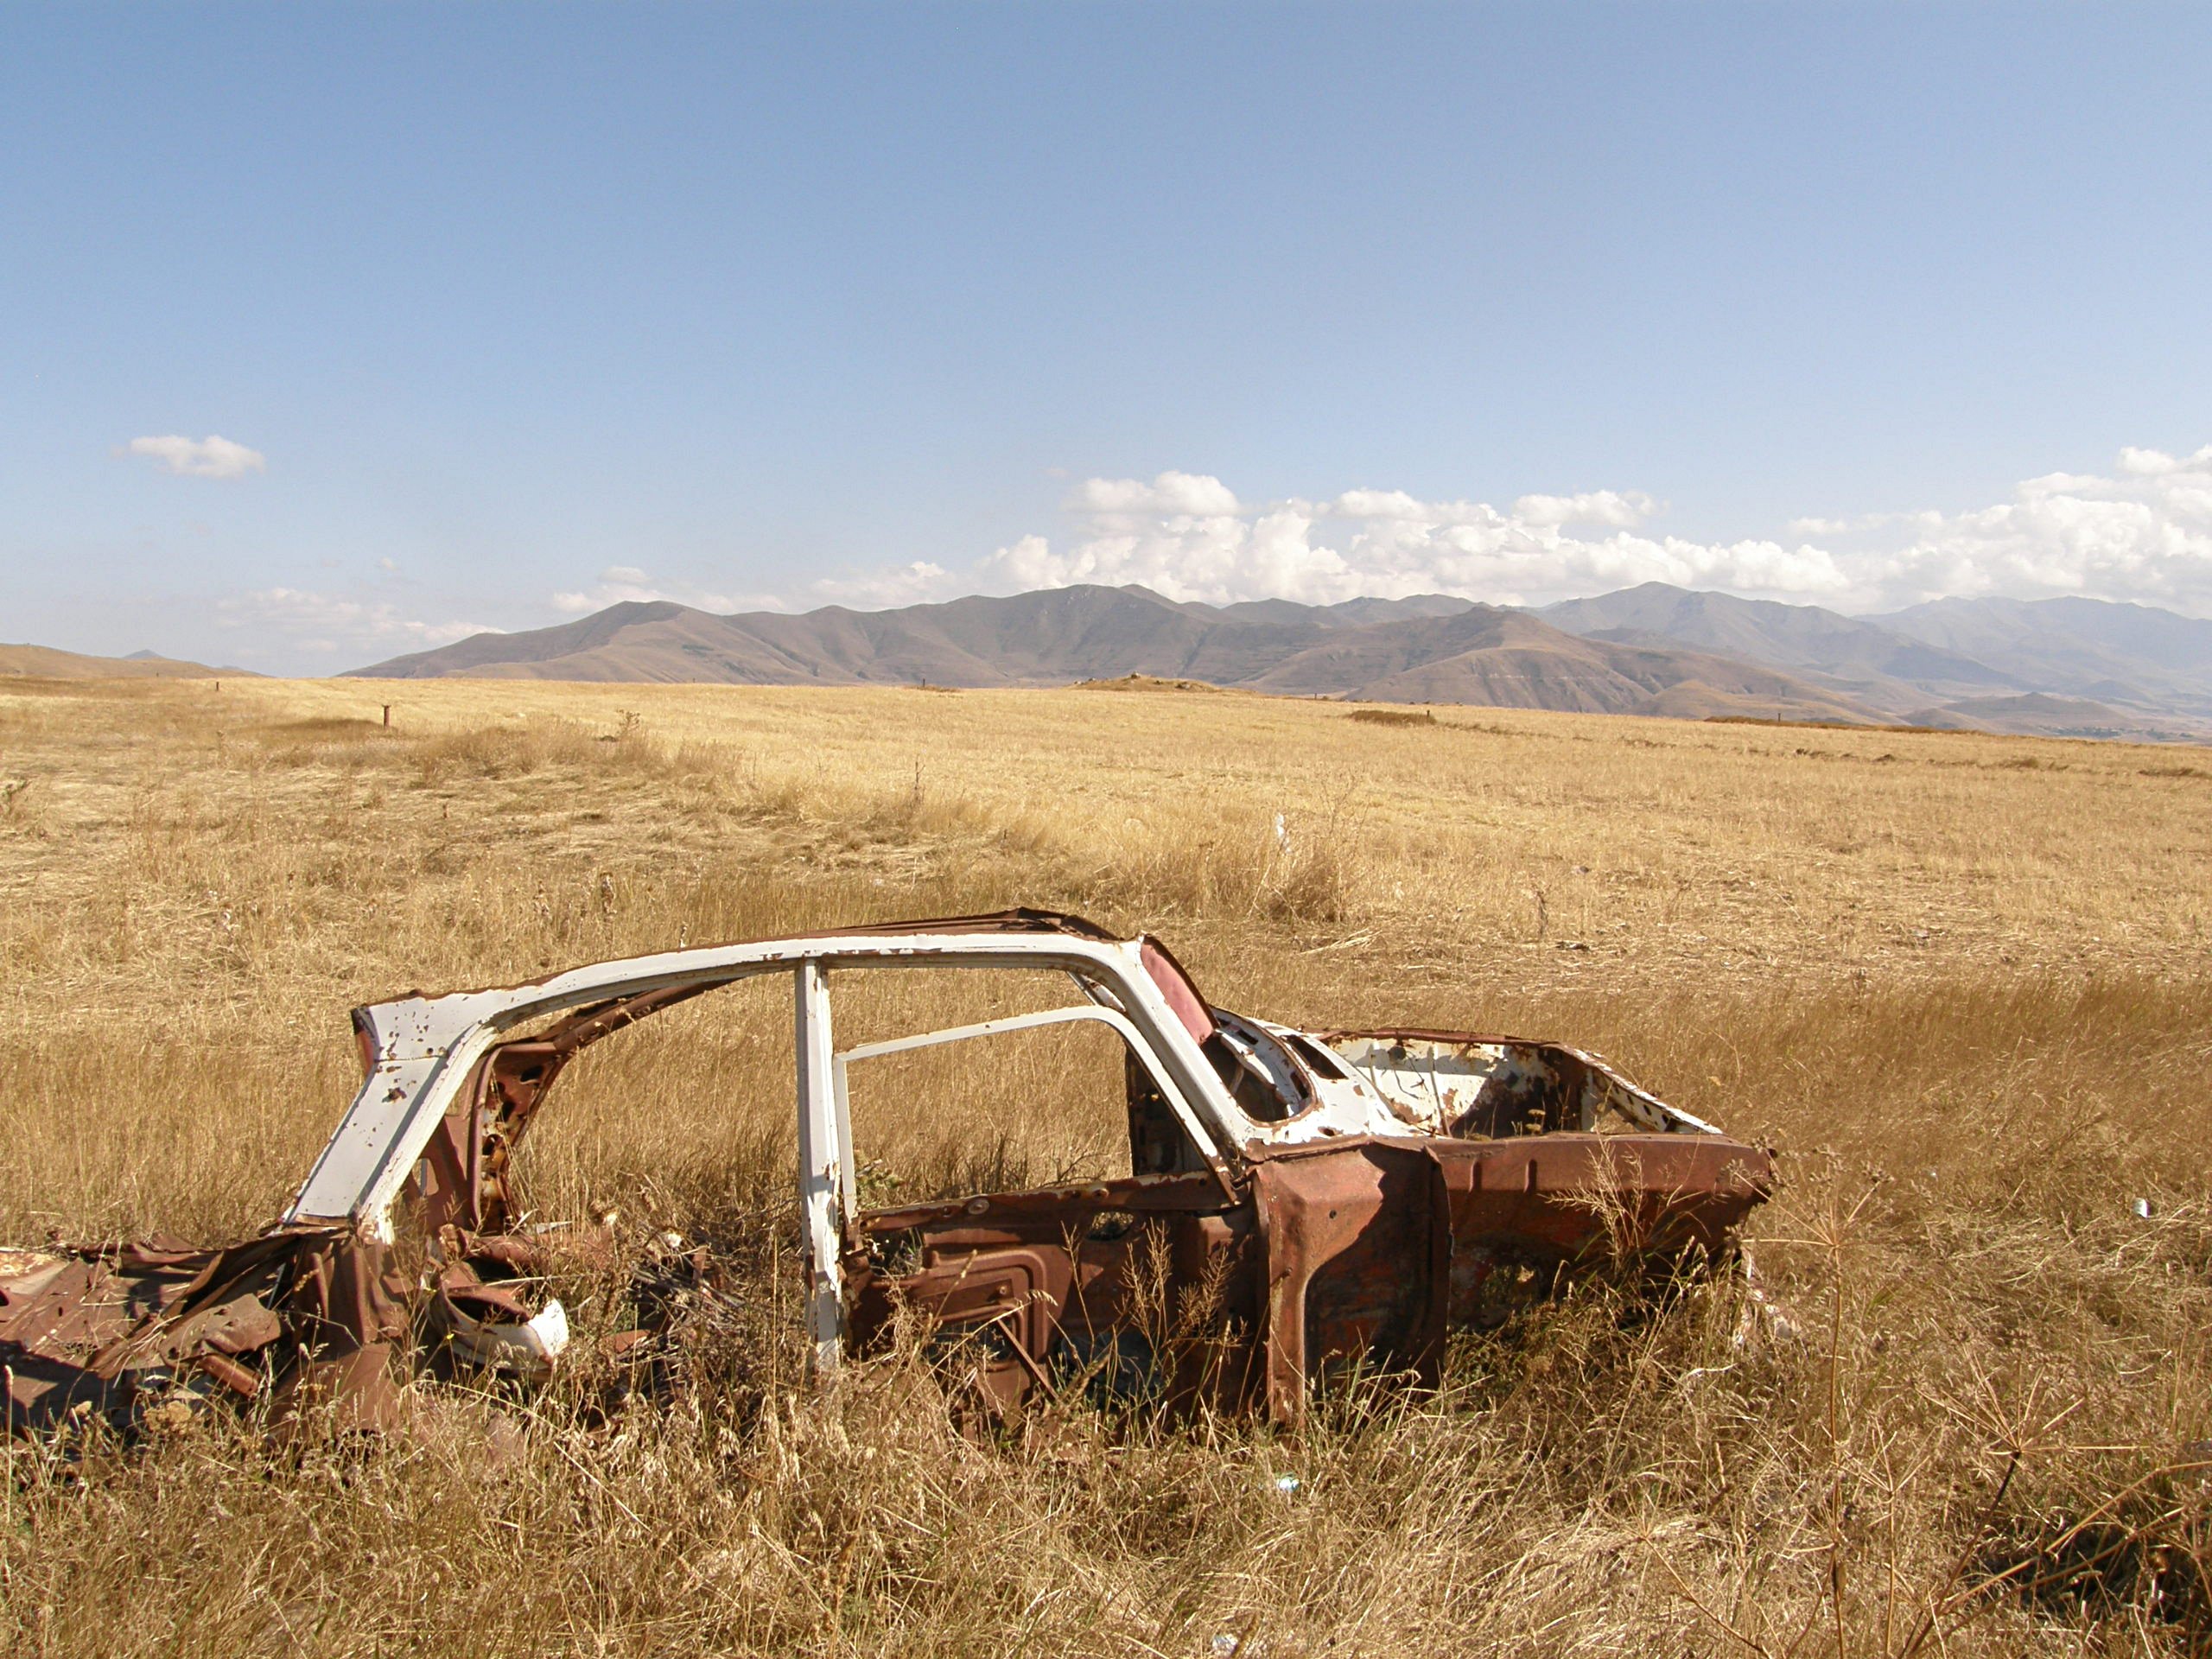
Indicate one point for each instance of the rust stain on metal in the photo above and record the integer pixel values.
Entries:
(1302, 1206)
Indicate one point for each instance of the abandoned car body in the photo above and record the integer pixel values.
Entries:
(1335, 1199)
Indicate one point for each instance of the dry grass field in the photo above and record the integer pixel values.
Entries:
(1963, 984)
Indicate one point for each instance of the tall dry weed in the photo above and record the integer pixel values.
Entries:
(1274, 868)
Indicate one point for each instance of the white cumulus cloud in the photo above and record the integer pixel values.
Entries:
(2141, 531)
(1191, 538)
(2144, 533)
(207, 457)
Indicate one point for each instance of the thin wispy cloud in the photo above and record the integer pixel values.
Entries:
(328, 624)
(627, 584)
(913, 583)
(208, 457)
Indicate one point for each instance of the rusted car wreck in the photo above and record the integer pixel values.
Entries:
(1343, 1197)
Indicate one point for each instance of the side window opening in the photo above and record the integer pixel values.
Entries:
(693, 1108)
(681, 1119)
(679, 1124)
(1158, 1145)
(998, 1109)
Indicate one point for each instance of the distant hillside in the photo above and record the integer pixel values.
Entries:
(1511, 659)
(1350, 613)
(1857, 659)
(2089, 647)
(1429, 649)
(44, 662)
(2039, 714)
(2057, 666)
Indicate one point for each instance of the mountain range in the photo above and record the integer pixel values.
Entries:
(2060, 667)
(2080, 666)
(45, 662)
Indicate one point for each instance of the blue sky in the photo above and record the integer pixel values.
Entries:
(504, 312)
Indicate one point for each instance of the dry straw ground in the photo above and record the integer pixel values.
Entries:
(1960, 981)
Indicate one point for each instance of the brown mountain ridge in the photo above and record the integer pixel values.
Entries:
(1427, 649)
(45, 662)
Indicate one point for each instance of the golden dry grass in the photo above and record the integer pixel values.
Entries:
(1959, 981)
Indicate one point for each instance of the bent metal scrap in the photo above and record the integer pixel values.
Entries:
(1341, 1198)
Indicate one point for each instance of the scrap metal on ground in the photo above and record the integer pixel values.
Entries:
(1299, 1204)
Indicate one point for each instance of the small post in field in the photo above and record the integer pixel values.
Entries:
(387, 714)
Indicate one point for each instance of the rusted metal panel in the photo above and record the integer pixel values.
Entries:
(1632, 1191)
(99, 1332)
(1358, 1266)
(1139, 1287)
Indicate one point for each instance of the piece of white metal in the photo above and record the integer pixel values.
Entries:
(1103, 1016)
(378, 1144)
(550, 1328)
(529, 1348)
(847, 1172)
(1432, 1081)
(821, 1184)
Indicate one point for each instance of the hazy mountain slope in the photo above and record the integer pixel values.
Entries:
(529, 649)
(1353, 612)
(1506, 658)
(1347, 614)
(1091, 632)
(1977, 662)
(1346, 659)
(1860, 659)
(2092, 647)
(1037, 637)
(1695, 700)
(2039, 714)
(44, 662)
